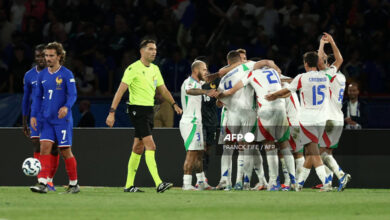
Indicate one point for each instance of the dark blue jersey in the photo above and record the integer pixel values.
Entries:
(29, 87)
(54, 90)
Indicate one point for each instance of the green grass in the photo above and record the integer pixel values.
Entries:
(112, 203)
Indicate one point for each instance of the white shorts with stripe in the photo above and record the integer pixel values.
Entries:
(332, 134)
(241, 122)
(272, 124)
(311, 132)
(294, 140)
(192, 135)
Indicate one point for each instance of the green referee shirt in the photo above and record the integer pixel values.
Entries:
(142, 81)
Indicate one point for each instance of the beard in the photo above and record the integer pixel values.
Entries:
(200, 76)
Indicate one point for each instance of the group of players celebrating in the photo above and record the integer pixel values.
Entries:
(259, 104)
(262, 105)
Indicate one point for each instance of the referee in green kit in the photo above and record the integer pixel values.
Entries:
(142, 78)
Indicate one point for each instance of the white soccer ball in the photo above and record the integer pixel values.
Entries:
(31, 166)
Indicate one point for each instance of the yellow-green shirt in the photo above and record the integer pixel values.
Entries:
(142, 82)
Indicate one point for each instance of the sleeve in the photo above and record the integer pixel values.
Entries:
(296, 84)
(26, 95)
(37, 98)
(128, 77)
(191, 85)
(332, 71)
(160, 80)
(71, 91)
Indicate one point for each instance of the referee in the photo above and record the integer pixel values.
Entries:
(142, 78)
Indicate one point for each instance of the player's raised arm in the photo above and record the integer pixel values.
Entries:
(168, 97)
(336, 51)
(321, 54)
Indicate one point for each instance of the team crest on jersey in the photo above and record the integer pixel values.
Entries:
(212, 85)
(59, 82)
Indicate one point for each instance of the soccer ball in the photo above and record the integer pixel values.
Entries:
(31, 166)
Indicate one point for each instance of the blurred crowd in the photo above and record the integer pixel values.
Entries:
(101, 37)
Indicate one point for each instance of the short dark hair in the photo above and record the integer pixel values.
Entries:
(311, 58)
(233, 56)
(40, 47)
(146, 42)
(330, 59)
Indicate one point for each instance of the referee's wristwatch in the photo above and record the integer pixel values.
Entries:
(173, 104)
(112, 110)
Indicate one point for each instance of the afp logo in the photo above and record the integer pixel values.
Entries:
(248, 137)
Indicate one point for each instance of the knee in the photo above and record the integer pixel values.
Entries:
(66, 153)
(138, 149)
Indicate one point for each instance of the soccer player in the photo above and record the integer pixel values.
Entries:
(142, 78)
(271, 119)
(30, 85)
(191, 125)
(335, 123)
(56, 93)
(292, 109)
(314, 89)
(241, 116)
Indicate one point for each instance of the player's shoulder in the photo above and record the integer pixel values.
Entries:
(31, 72)
(66, 71)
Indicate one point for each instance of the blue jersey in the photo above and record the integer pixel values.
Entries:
(54, 90)
(29, 87)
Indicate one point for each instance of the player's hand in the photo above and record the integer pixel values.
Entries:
(177, 109)
(62, 112)
(327, 37)
(219, 103)
(324, 40)
(222, 95)
(212, 93)
(33, 123)
(26, 130)
(270, 97)
(110, 120)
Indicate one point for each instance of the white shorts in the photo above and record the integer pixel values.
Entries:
(294, 140)
(332, 134)
(273, 125)
(192, 135)
(222, 131)
(241, 122)
(311, 132)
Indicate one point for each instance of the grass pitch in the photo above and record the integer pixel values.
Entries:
(113, 203)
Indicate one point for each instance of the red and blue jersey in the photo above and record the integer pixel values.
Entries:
(54, 90)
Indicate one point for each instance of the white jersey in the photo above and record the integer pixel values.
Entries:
(192, 104)
(243, 98)
(314, 91)
(292, 106)
(265, 81)
(337, 88)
